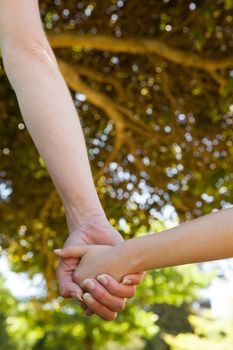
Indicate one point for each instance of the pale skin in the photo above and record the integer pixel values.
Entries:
(51, 119)
(204, 239)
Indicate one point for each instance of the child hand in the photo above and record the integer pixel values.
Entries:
(97, 260)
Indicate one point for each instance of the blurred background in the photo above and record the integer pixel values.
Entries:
(152, 82)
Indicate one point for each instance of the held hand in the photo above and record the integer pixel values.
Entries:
(67, 287)
(95, 260)
(95, 231)
(100, 260)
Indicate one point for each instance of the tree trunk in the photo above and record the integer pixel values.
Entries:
(89, 343)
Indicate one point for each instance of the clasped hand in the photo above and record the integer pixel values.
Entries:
(98, 261)
(91, 279)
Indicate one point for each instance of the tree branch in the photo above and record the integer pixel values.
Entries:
(167, 91)
(155, 180)
(137, 125)
(44, 213)
(102, 78)
(100, 100)
(97, 98)
(222, 82)
(142, 46)
(119, 141)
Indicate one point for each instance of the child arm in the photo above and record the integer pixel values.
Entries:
(207, 238)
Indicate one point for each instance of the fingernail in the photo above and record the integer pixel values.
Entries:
(76, 296)
(126, 281)
(89, 284)
(88, 298)
(79, 297)
(103, 279)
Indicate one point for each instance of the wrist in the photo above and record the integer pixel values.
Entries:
(81, 217)
(129, 253)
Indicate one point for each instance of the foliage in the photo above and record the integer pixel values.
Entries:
(35, 324)
(170, 293)
(209, 334)
(7, 310)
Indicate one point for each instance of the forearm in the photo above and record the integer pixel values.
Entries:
(207, 238)
(51, 118)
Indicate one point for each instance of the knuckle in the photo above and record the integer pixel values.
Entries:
(105, 296)
(64, 292)
(102, 295)
(110, 289)
(131, 292)
(60, 272)
(114, 289)
(113, 286)
(121, 306)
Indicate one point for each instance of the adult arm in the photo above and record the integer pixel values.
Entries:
(51, 119)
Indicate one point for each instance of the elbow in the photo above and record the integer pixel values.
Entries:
(40, 51)
(24, 59)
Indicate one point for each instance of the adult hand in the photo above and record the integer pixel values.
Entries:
(105, 300)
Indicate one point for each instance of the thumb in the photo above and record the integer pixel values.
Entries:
(72, 252)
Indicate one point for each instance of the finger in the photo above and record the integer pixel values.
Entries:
(67, 287)
(99, 309)
(133, 279)
(72, 252)
(70, 290)
(101, 295)
(83, 306)
(116, 288)
(75, 291)
(88, 312)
